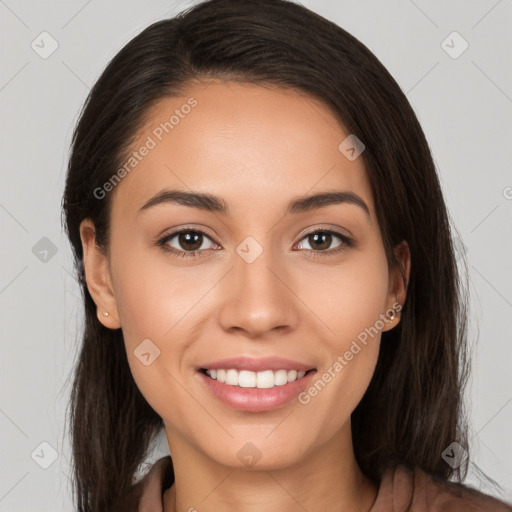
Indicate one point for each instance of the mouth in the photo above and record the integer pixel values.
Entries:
(266, 379)
(255, 391)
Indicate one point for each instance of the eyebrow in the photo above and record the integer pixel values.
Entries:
(212, 203)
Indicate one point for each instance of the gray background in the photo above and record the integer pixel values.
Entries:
(464, 105)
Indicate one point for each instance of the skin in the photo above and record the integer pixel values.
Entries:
(257, 148)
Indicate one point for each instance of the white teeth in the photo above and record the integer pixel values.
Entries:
(231, 377)
(246, 379)
(265, 379)
(262, 380)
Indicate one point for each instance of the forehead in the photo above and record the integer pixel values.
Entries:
(246, 143)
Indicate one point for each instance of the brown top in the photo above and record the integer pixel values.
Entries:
(400, 490)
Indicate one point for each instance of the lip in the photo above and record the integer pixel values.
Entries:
(256, 364)
(256, 399)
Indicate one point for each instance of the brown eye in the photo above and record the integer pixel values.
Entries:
(186, 242)
(190, 240)
(322, 240)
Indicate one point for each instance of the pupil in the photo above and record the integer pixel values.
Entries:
(324, 244)
(185, 240)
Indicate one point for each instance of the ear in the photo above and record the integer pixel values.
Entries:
(97, 277)
(397, 290)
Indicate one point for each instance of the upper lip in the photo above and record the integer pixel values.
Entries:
(257, 364)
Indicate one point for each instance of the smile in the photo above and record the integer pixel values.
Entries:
(250, 391)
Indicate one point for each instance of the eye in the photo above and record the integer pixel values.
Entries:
(321, 239)
(190, 243)
(186, 242)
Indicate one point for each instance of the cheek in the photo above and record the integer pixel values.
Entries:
(348, 298)
(152, 310)
(159, 302)
(152, 296)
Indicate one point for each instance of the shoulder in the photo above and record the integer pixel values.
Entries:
(146, 494)
(406, 490)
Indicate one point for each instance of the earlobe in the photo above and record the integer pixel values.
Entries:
(107, 319)
(97, 277)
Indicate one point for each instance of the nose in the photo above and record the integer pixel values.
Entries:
(258, 297)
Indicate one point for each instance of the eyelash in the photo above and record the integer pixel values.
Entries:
(347, 243)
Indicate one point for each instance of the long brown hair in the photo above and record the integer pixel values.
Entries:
(413, 408)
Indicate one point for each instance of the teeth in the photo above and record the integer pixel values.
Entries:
(263, 380)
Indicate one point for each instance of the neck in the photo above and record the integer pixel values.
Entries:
(328, 479)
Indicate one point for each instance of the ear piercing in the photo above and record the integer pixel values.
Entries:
(105, 313)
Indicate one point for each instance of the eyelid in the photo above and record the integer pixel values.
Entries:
(326, 228)
(188, 227)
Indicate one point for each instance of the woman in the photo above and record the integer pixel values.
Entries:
(268, 275)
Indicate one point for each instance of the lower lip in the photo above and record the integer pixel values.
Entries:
(256, 399)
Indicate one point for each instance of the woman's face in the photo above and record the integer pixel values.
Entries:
(307, 283)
